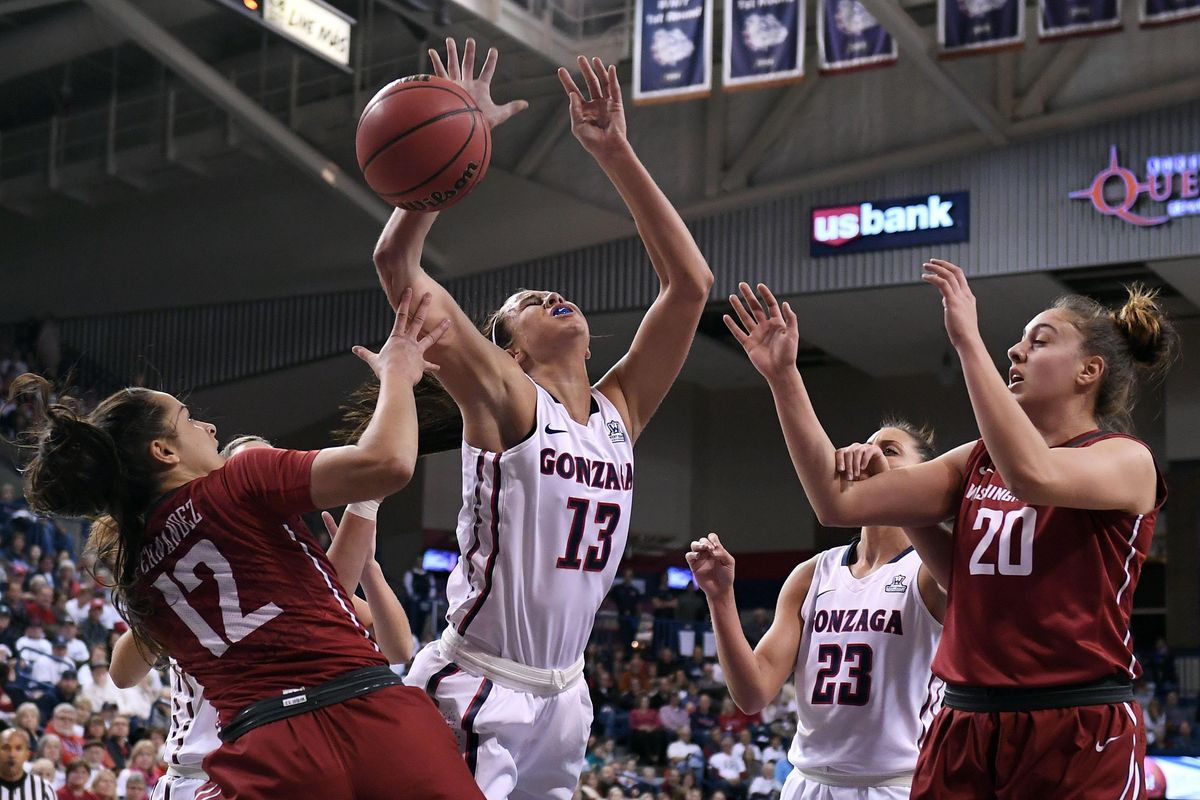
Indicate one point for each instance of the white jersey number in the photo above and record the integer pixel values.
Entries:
(607, 516)
(996, 520)
(237, 626)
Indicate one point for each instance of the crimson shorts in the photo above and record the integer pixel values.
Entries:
(1081, 753)
(387, 744)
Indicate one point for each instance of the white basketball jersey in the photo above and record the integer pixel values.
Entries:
(542, 529)
(193, 733)
(864, 691)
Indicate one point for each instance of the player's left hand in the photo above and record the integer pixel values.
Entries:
(599, 121)
(480, 88)
(962, 321)
(711, 565)
(331, 525)
(857, 461)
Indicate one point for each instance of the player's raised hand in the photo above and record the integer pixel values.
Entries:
(711, 565)
(857, 461)
(479, 87)
(768, 332)
(598, 121)
(962, 321)
(403, 354)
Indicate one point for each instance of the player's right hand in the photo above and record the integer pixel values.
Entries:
(403, 354)
(711, 565)
(858, 461)
(480, 88)
(769, 332)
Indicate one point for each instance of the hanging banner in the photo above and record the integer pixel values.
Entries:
(966, 26)
(1164, 12)
(672, 49)
(1058, 19)
(850, 38)
(764, 41)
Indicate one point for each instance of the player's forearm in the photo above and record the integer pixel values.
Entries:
(398, 251)
(352, 548)
(742, 674)
(811, 450)
(389, 443)
(676, 258)
(391, 623)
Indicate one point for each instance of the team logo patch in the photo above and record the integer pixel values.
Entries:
(897, 585)
(615, 434)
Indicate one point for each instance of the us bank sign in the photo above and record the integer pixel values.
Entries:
(886, 224)
(1170, 179)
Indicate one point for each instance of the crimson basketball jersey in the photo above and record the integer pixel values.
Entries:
(1040, 595)
(243, 596)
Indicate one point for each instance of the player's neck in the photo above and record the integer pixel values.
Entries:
(569, 385)
(877, 546)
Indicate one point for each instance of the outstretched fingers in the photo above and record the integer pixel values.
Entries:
(455, 71)
(614, 85)
(595, 91)
(489, 65)
(744, 316)
(435, 60)
(400, 326)
(468, 59)
(568, 83)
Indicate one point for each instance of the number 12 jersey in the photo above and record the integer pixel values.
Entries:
(542, 529)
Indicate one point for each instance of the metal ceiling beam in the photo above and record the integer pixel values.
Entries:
(917, 46)
(714, 141)
(773, 125)
(544, 143)
(1006, 72)
(17, 6)
(1051, 79)
(131, 21)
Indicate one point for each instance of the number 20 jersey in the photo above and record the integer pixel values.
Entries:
(864, 692)
(542, 529)
(1040, 595)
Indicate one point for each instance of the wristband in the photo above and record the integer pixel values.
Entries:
(367, 509)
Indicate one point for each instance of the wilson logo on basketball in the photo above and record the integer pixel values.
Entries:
(436, 199)
(879, 224)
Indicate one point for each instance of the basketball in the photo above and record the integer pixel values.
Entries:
(422, 143)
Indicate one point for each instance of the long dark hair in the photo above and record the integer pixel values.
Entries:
(1137, 342)
(439, 422)
(99, 467)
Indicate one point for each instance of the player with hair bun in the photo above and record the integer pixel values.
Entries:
(547, 466)
(1053, 509)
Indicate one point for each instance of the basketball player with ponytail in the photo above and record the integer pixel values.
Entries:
(547, 462)
(1054, 508)
(213, 565)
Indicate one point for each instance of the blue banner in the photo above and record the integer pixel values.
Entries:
(850, 38)
(672, 49)
(1164, 12)
(1058, 19)
(764, 41)
(980, 25)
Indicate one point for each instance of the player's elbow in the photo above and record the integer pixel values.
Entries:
(395, 473)
(833, 516)
(750, 700)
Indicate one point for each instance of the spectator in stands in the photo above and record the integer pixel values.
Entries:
(142, 760)
(116, 742)
(668, 663)
(135, 788)
(101, 690)
(626, 594)
(1183, 742)
(104, 785)
(49, 748)
(776, 750)
(29, 719)
(703, 721)
(79, 605)
(78, 775)
(757, 626)
(14, 598)
(647, 738)
(93, 754)
(63, 725)
(77, 649)
(1160, 667)
(8, 634)
(44, 769)
(731, 720)
(664, 601)
(730, 770)
(34, 641)
(685, 755)
(672, 715)
(745, 749)
(420, 592)
(94, 629)
(94, 730)
(67, 579)
(1155, 717)
(50, 669)
(1175, 712)
(691, 605)
(764, 786)
(66, 690)
(16, 554)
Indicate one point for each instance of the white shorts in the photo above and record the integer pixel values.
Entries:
(797, 787)
(174, 787)
(519, 746)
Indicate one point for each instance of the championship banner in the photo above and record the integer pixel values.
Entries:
(764, 41)
(1164, 12)
(966, 26)
(672, 49)
(850, 38)
(1058, 19)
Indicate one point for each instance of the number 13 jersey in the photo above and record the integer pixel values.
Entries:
(541, 531)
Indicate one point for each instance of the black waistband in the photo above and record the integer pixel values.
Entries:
(984, 698)
(301, 701)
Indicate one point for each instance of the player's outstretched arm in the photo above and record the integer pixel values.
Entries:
(638, 382)
(1117, 474)
(484, 380)
(756, 675)
(128, 665)
(383, 459)
(919, 495)
(392, 630)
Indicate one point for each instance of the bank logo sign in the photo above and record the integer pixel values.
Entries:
(888, 224)
(1172, 179)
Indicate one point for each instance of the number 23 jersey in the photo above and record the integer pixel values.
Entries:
(542, 529)
(1040, 595)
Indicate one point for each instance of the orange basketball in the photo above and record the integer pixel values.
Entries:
(422, 143)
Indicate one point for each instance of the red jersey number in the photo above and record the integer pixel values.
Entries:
(1019, 523)
(183, 580)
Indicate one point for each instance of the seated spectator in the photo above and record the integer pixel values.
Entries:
(49, 749)
(34, 641)
(93, 754)
(135, 787)
(141, 763)
(1175, 711)
(664, 602)
(745, 749)
(1160, 667)
(45, 769)
(79, 605)
(1183, 742)
(672, 715)
(694, 666)
(77, 649)
(1156, 723)
(117, 742)
(63, 725)
(730, 770)
(67, 579)
(667, 661)
(606, 702)
(703, 721)
(104, 785)
(49, 669)
(764, 786)
(102, 690)
(78, 775)
(8, 633)
(66, 690)
(589, 786)
(647, 739)
(685, 755)
(94, 630)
